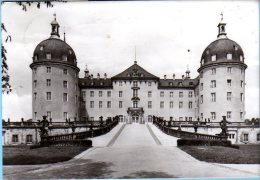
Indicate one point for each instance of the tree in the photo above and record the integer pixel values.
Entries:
(6, 86)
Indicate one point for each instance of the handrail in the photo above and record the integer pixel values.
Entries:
(186, 134)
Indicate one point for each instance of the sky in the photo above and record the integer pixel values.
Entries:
(104, 36)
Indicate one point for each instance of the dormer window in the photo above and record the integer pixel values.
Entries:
(229, 56)
(236, 48)
(191, 83)
(64, 58)
(214, 57)
(170, 84)
(48, 56)
(36, 57)
(241, 58)
(207, 51)
(180, 83)
(70, 51)
(41, 48)
(202, 61)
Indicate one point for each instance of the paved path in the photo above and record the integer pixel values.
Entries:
(130, 151)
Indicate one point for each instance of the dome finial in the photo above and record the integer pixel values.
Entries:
(222, 28)
(135, 56)
(64, 34)
(55, 28)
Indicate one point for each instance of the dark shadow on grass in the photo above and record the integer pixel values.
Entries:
(78, 169)
(148, 174)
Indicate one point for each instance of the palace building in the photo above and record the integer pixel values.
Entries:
(136, 94)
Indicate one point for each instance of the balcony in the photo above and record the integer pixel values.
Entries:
(132, 110)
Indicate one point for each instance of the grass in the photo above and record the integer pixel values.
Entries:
(44, 155)
(246, 154)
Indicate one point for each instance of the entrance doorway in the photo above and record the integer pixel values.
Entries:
(135, 119)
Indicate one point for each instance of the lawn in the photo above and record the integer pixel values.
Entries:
(44, 155)
(246, 154)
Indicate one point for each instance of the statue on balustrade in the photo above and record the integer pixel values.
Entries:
(44, 126)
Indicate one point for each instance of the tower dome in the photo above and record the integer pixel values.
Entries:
(222, 51)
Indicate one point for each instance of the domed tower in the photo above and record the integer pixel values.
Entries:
(222, 79)
(54, 79)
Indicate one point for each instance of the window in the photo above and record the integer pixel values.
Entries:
(214, 57)
(171, 94)
(258, 137)
(190, 105)
(84, 95)
(190, 94)
(180, 94)
(100, 104)
(48, 69)
(149, 93)
(83, 104)
(41, 48)
(65, 97)
(162, 104)
(64, 58)
(120, 83)
(180, 104)
(213, 84)
(35, 96)
(202, 61)
(229, 82)
(213, 115)
(48, 55)
(231, 136)
(15, 138)
(65, 115)
(76, 99)
(228, 114)
(149, 83)
(99, 93)
(120, 104)
(108, 93)
(91, 118)
(241, 115)
(162, 94)
(201, 99)
(135, 104)
(149, 104)
(35, 115)
(35, 70)
(135, 83)
(201, 86)
(229, 56)
(201, 116)
(35, 83)
(213, 97)
(65, 71)
(229, 94)
(135, 94)
(180, 118)
(108, 104)
(91, 93)
(29, 138)
(229, 69)
(190, 118)
(49, 114)
(91, 104)
(245, 137)
(241, 97)
(48, 96)
(242, 84)
(120, 93)
(213, 71)
(48, 82)
(65, 84)
(201, 74)
(242, 70)
(241, 58)
(171, 104)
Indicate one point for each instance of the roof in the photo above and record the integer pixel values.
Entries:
(178, 83)
(58, 49)
(220, 48)
(135, 72)
(95, 83)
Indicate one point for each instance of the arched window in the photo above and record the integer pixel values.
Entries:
(229, 56)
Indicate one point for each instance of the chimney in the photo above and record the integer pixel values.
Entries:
(91, 76)
(173, 76)
(98, 76)
(164, 77)
(105, 76)
(183, 77)
(86, 72)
